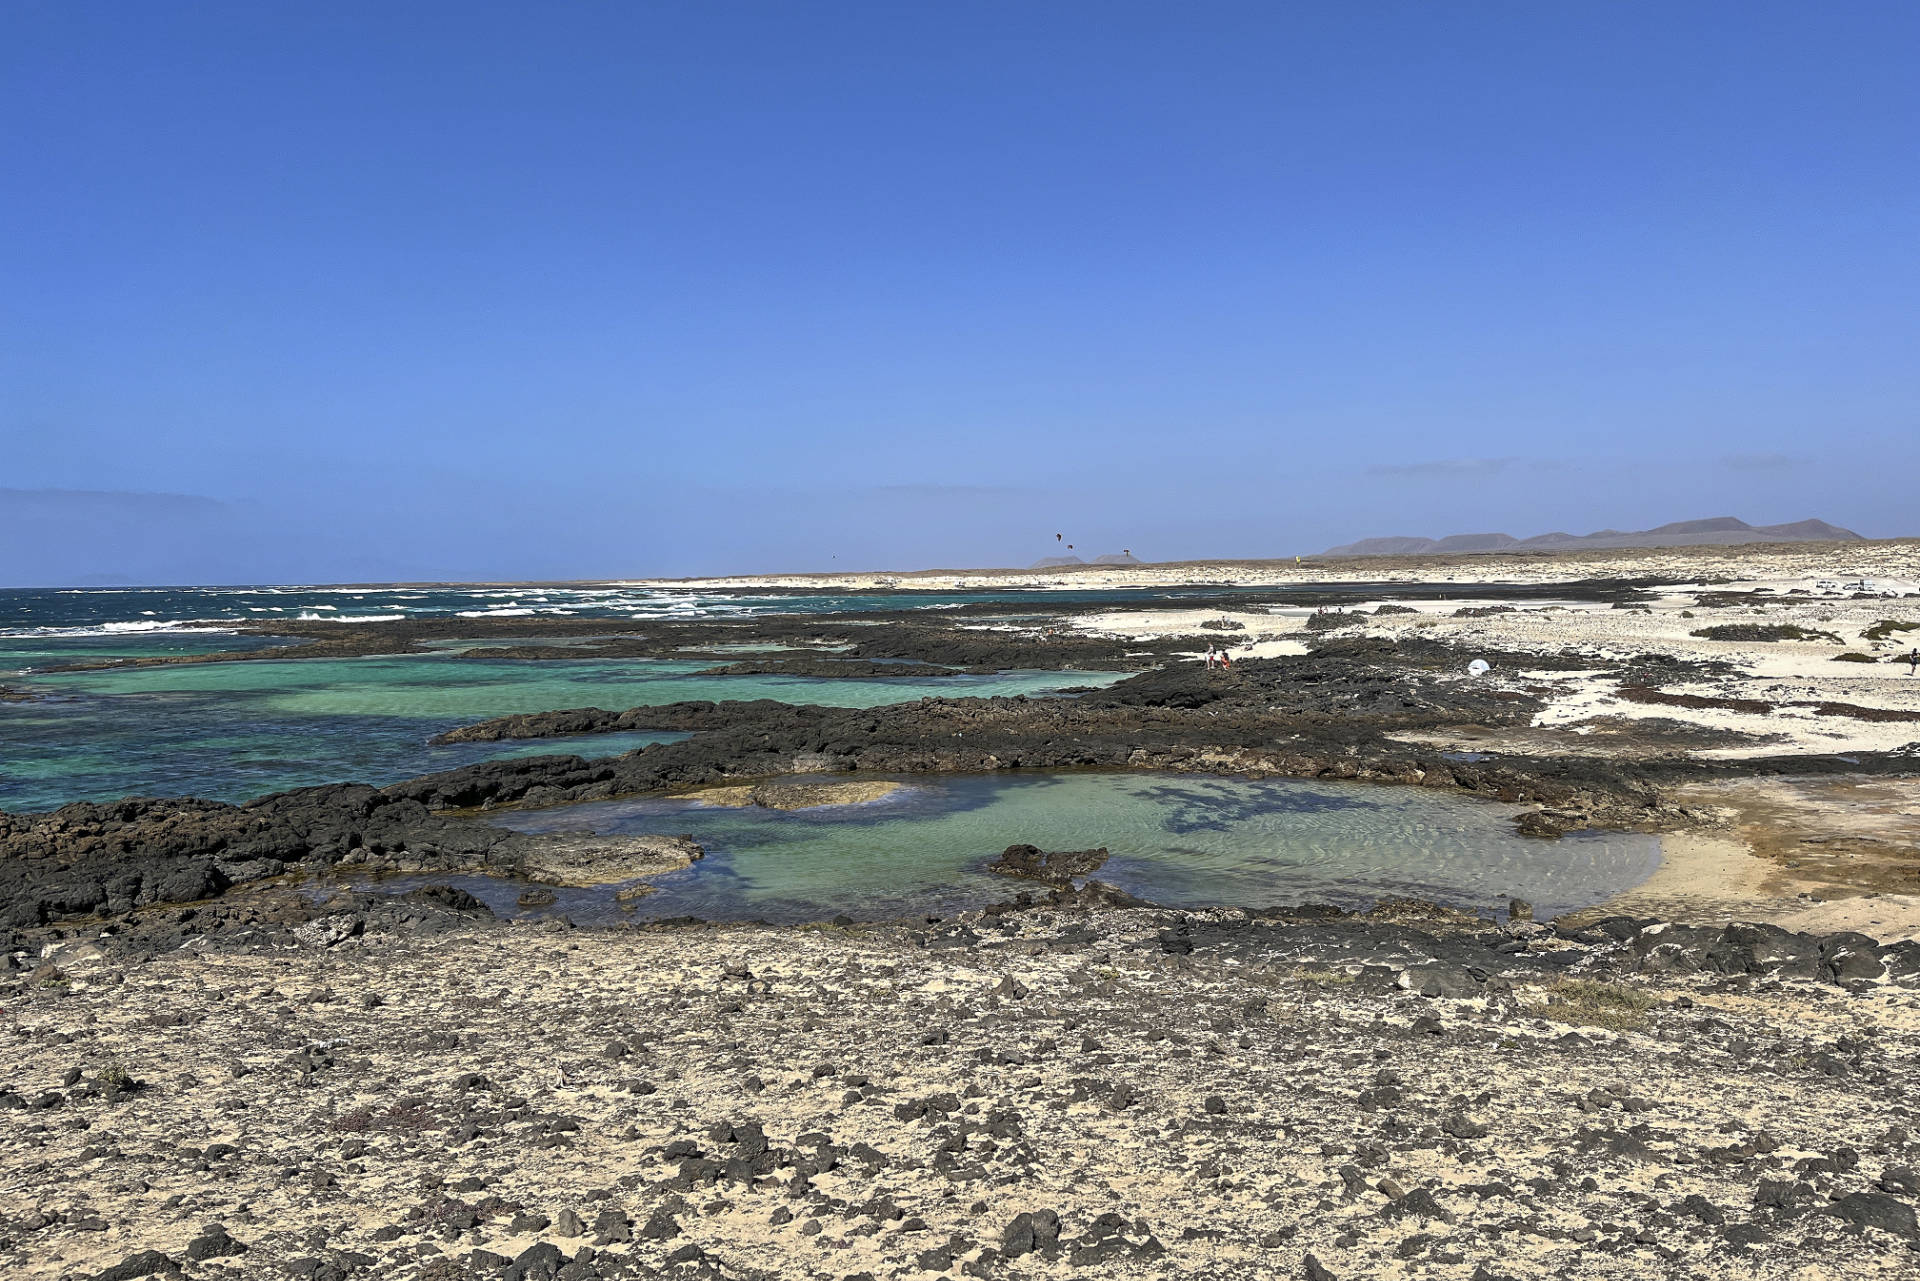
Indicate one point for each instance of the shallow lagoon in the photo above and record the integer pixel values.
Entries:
(1184, 840)
(233, 731)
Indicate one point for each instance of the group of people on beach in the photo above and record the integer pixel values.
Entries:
(1218, 657)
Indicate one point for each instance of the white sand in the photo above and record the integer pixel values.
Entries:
(1774, 672)
(1266, 634)
(1892, 565)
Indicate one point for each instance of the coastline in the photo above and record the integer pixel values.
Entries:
(1876, 558)
(1649, 704)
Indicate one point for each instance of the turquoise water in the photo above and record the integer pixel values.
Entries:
(1182, 840)
(465, 689)
(233, 731)
(20, 654)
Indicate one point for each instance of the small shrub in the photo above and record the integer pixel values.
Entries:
(1887, 627)
(1591, 1003)
(1763, 632)
(1321, 978)
(49, 976)
(401, 1116)
(410, 1118)
(1854, 656)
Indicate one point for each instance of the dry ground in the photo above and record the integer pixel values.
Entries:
(832, 1103)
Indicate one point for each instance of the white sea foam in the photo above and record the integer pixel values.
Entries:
(157, 625)
(122, 629)
(351, 618)
(239, 604)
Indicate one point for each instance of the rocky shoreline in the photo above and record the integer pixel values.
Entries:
(1352, 709)
(1328, 712)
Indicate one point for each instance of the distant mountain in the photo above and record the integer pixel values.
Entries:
(1057, 562)
(1716, 531)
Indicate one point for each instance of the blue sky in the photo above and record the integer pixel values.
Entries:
(404, 291)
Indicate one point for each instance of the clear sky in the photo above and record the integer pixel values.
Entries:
(353, 291)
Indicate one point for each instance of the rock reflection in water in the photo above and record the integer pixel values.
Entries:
(1177, 839)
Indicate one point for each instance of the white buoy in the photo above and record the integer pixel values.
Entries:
(1479, 667)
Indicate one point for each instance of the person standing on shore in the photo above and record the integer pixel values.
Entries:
(1913, 661)
(1209, 655)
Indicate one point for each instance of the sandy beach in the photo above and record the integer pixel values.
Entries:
(1892, 560)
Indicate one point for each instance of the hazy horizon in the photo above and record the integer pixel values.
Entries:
(109, 580)
(479, 293)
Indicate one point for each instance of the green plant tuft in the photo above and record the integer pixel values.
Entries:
(1763, 632)
(1886, 627)
(1591, 1003)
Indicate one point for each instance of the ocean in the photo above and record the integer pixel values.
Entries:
(237, 730)
(133, 611)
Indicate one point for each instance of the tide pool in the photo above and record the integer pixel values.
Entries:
(1183, 840)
